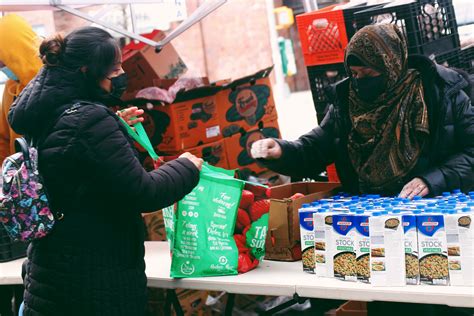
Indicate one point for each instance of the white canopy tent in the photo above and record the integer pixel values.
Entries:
(72, 6)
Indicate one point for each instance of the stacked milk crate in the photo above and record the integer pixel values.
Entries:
(390, 241)
(429, 26)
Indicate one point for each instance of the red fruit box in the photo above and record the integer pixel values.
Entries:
(283, 237)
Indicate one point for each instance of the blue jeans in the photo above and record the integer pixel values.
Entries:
(22, 306)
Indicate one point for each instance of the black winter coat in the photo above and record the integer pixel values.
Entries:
(445, 164)
(92, 263)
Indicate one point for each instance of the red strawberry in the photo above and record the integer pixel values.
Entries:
(259, 191)
(242, 220)
(296, 252)
(296, 196)
(241, 243)
(247, 199)
(245, 263)
(254, 264)
(258, 209)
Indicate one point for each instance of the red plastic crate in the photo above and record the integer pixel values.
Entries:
(323, 36)
(332, 173)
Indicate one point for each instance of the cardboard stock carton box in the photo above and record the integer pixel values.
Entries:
(283, 238)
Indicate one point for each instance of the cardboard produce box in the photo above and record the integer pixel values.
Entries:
(189, 122)
(238, 148)
(155, 226)
(283, 237)
(245, 102)
(143, 65)
(214, 153)
(192, 302)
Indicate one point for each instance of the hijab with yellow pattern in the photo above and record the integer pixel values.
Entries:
(388, 134)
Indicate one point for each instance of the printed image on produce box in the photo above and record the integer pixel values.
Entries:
(189, 122)
(433, 251)
(143, 65)
(238, 147)
(284, 240)
(155, 226)
(245, 102)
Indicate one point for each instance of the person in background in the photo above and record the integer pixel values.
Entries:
(92, 263)
(399, 126)
(20, 62)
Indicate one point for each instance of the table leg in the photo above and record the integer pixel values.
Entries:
(295, 300)
(167, 308)
(172, 299)
(229, 306)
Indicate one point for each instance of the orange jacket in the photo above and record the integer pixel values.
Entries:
(19, 52)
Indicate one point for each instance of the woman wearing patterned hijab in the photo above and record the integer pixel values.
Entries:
(400, 125)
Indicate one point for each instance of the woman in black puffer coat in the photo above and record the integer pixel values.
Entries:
(92, 263)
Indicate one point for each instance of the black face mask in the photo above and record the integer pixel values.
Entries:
(369, 88)
(119, 85)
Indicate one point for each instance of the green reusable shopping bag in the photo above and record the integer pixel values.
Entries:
(203, 243)
(200, 228)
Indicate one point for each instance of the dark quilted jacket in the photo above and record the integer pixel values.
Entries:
(93, 261)
(445, 164)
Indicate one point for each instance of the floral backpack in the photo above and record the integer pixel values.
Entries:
(24, 207)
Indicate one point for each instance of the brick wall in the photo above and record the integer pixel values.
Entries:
(231, 42)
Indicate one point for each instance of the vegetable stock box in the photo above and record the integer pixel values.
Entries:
(143, 65)
(189, 122)
(283, 238)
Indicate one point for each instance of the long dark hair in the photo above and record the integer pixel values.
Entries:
(89, 47)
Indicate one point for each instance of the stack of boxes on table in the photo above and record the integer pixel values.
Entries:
(217, 122)
(390, 241)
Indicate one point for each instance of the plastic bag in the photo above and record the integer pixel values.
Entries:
(155, 93)
(184, 84)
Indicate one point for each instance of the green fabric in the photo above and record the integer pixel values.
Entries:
(203, 243)
(140, 136)
(256, 237)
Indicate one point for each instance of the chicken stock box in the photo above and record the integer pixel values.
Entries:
(143, 65)
(238, 148)
(245, 102)
(283, 238)
(189, 122)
